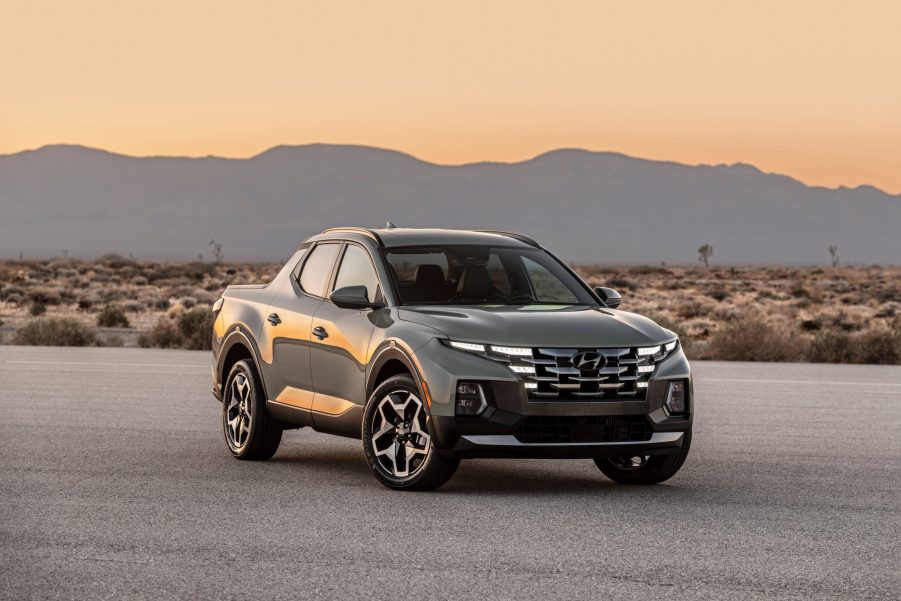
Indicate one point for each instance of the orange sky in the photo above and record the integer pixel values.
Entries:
(810, 89)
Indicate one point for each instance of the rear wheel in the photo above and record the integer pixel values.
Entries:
(644, 469)
(250, 432)
(396, 439)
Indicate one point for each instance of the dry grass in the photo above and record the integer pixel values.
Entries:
(849, 314)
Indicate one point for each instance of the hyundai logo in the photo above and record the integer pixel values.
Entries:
(588, 361)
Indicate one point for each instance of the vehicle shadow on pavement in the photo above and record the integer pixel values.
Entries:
(510, 477)
(490, 476)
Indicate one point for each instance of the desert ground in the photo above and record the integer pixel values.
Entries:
(817, 314)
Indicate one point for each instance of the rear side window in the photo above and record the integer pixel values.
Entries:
(318, 268)
(357, 270)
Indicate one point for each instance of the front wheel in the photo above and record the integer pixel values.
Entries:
(396, 439)
(644, 469)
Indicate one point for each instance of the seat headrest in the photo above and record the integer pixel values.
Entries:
(429, 275)
(475, 283)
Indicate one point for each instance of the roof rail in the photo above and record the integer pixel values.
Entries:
(514, 235)
(357, 230)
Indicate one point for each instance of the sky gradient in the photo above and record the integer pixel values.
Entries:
(809, 89)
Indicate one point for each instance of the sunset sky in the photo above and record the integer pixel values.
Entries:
(810, 89)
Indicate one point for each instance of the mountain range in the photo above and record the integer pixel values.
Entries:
(585, 206)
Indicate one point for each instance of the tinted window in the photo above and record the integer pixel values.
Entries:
(357, 270)
(318, 268)
(474, 274)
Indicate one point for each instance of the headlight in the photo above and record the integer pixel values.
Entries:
(657, 352)
(467, 346)
(516, 351)
(504, 355)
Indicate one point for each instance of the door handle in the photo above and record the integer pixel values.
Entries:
(320, 333)
(274, 319)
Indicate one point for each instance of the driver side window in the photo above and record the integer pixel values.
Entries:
(356, 270)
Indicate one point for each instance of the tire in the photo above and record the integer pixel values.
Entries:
(396, 440)
(652, 469)
(250, 432)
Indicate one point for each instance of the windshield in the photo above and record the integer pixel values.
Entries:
(459, 275)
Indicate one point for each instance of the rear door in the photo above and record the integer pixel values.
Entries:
(340, 346)
(289, 322)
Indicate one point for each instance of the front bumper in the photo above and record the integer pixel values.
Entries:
(624, 426)
(507, 445)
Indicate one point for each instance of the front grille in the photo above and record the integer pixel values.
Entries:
(586, 428)
(624, 373)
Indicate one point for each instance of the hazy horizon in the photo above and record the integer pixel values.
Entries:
(452, 164)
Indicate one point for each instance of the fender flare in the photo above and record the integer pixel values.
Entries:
(389, 350)
(238, 334)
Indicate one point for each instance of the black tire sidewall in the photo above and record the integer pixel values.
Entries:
(247, 369)
(658, 469)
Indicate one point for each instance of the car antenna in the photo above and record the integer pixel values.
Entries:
(390, 226)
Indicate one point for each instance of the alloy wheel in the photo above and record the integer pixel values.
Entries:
(238, 412)
(400, 441)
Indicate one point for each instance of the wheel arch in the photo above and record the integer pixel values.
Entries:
(238, 346)
(392, 360)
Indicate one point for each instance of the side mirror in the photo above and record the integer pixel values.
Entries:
(352, 297)
(609, 296)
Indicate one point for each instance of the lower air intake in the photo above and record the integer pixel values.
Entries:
(587, 428)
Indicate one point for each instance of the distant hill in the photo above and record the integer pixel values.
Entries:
(586, 206)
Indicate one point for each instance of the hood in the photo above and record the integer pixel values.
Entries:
(539, 325)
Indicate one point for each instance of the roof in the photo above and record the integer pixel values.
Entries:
(393, 237)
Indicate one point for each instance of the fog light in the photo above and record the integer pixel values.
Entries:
(470, 399)
(675, 397)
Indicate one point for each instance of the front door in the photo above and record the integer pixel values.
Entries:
(340, 347)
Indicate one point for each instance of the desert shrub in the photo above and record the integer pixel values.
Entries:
(86, 301)
(162, 335)
(878, 345)
(7, 291)
(196, 329)
(205, 298)
(45, 295)
(187, 301)
(830, 346)
(811, 325)
(55, 331)
(799, 290)
(15, 299)
(691, 309)
(133, 306)
(749, 337)
(197, 270)
(650, 270)
(718, 294)
(37, 308)
(623, 284)
(115, 260)
(112, 316)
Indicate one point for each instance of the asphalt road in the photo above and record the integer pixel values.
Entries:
(115, 483)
